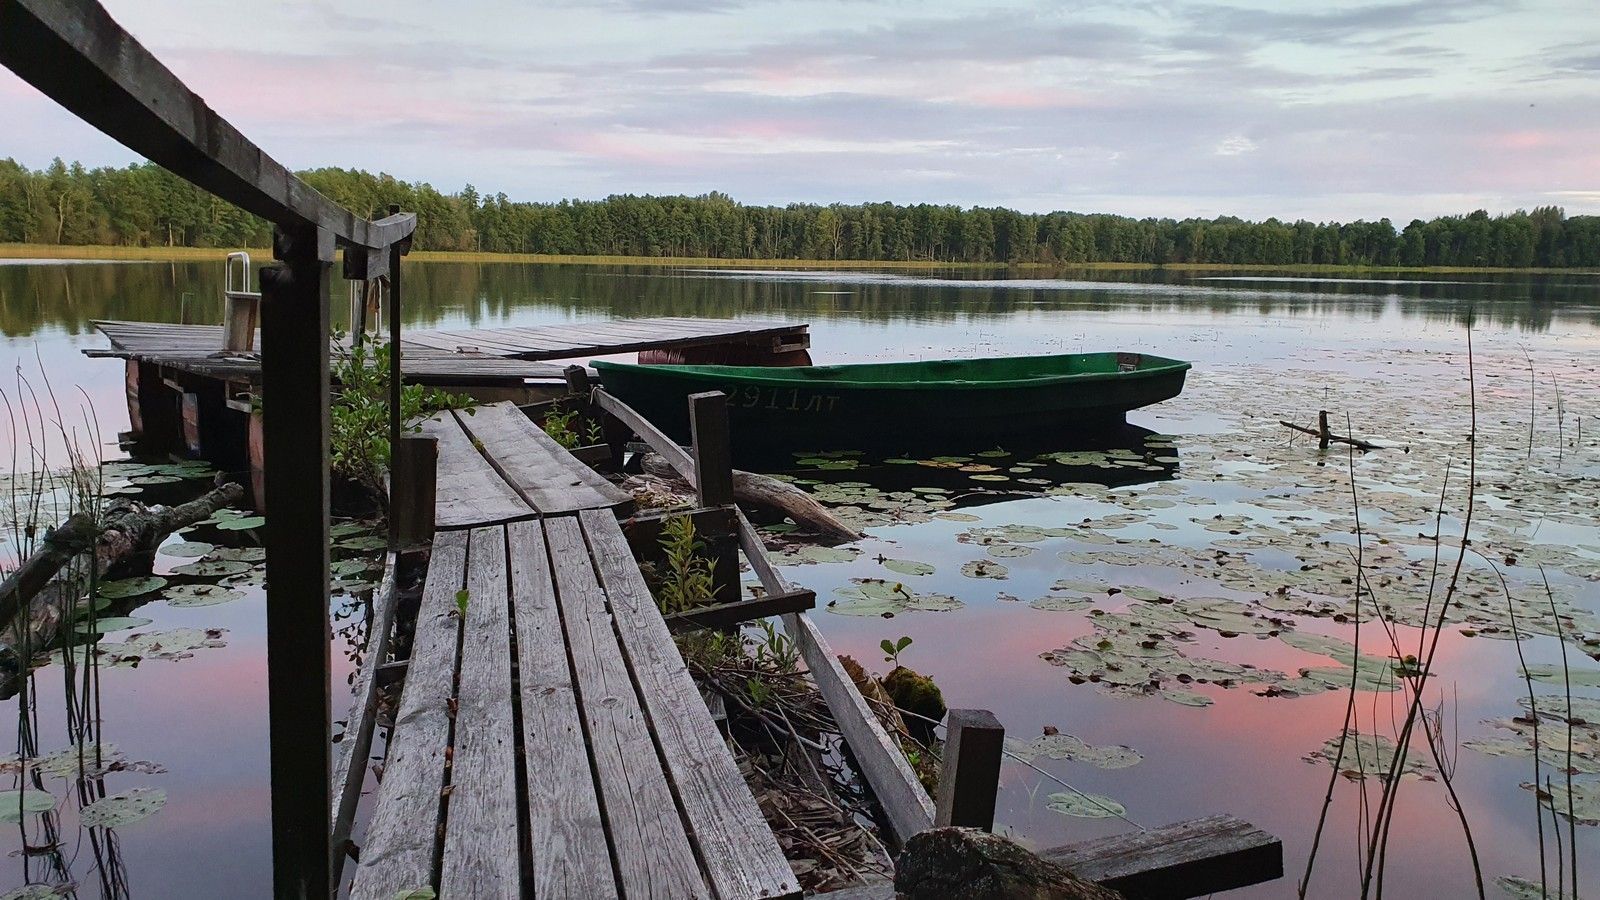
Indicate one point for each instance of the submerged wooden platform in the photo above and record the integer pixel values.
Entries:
(550, 741)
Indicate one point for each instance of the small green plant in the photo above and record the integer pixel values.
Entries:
(759, 691)
(893, 649)
(462, 597)
(559, 426)
(687, 582)
(775, 649)
(359, 412)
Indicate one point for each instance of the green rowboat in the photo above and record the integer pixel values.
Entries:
(905, 405)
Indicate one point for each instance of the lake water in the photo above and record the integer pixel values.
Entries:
(1218, 565)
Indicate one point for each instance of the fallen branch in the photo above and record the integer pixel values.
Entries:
(1325, 437)
(770, 494)
(129, 530)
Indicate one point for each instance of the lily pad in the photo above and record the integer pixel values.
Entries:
(1009, 551)
(126, 808)
(240, 554)
(187, 549)
(185, 595)
(1370, 756)
(243, 523)
(908, 567)
(132, 587)
(1085, 806)
(108, 624)
(879, 597)
(16, 804)
(213, 568)
(1066, 746)
(982, 568)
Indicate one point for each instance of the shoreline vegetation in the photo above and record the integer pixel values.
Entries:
(143, 205)
(115, 253)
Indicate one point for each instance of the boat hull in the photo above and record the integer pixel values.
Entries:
(880, 407)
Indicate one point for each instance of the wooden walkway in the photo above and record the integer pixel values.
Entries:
(488, 355)
(550, 741)
(495, 465)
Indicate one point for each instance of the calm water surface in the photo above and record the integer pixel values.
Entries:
(1390, 354)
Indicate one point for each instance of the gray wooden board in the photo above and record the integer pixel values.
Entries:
(566, 831)
(1187, 859)
(398, 851)
(350, 754)
(738, 847)
(675, 455)
(480, 842)
(653, 854)
(904, 800)
(549, 478)
(469, 491)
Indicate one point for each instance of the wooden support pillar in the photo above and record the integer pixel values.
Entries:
(1324, 437)
(413, 478)
(294, 374)
(395, 378)
(713, 457)
(971, 774)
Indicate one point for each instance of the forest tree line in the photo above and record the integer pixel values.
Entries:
(144, 205)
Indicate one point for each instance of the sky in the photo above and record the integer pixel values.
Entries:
(1325, 111)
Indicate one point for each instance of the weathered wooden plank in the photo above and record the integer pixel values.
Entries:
(566, 832)
(350, 754)
(723, 614)
(710, 448)
(739, 850)
(549, 478)
(470, 491)
(675, 455)
(399, 850)
(905, 803)
(653, 855)
(480, 842)
(1187, 859)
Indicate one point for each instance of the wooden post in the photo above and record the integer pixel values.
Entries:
(413, 477)
(1324, 437)
(713, 458)
(395, 382)
(240, 311)
(971, 774)
(577, 380)
(294, 375)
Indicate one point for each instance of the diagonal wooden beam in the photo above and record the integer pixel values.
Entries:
(74, 52)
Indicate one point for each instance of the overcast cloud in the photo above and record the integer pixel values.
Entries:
(1400, 109)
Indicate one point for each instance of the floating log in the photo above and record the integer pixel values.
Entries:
(128, 530)
(768, 494)
(1325, 437)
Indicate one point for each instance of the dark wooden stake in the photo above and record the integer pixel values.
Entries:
(713, 457)
(395, 384)
(1323, 438)
(294, 375)
(413, 478)
(577, 380)
(971, 774)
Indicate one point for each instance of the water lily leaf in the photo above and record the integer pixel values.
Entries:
(811, 555)
(108, 624)
(1061, 603)
(132, 587)
(1086, 806)
(243, 523)
(39, 892)
(187, 549)
(347, 567)
(982, 568)
(16, 804)
(908, 567)
(1009, 551)
(1066, 746)
(240, 554)
(347, 529)
(1552, 672)
(880, 597)
(185, 595)
(371, 542)
(212, 568)
(1581, 805)
(126, 808)
(1370, 756)
(958, 517)
(1526, 889)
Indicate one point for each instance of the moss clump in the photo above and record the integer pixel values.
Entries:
(916, 694)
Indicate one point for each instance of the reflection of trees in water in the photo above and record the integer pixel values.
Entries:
(484, 294)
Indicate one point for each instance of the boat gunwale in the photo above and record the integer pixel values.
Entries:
(756, 375)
